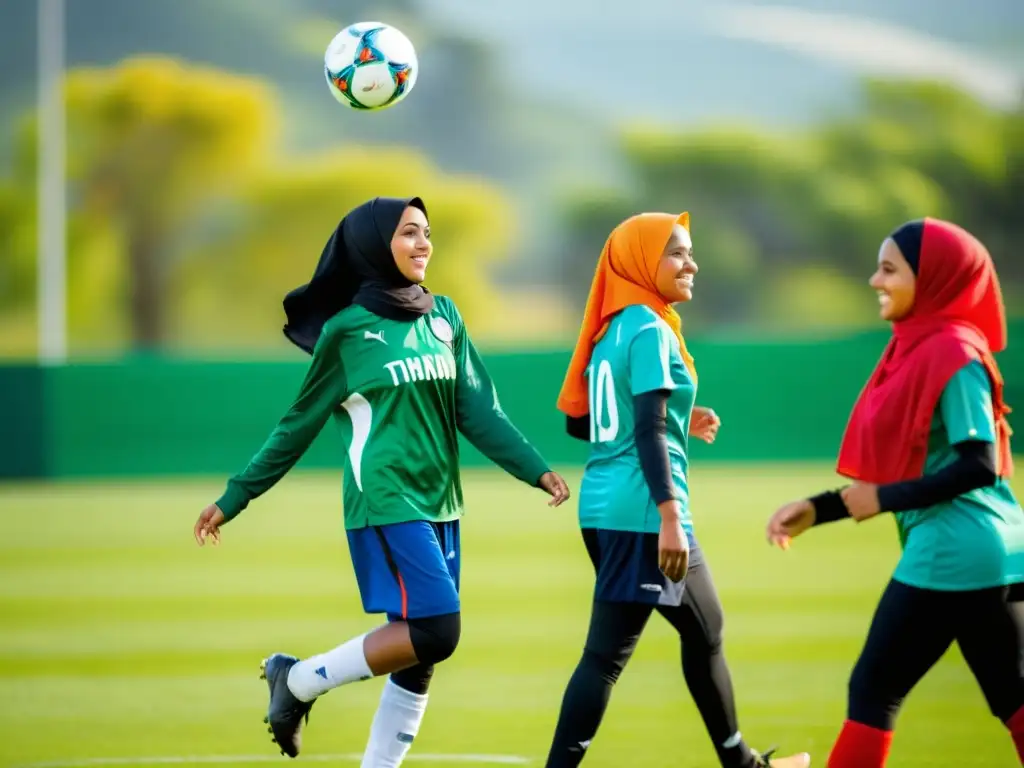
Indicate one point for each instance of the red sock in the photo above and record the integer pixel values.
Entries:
(1016, 726)
(860, 746)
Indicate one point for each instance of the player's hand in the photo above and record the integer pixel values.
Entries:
(553, 483)
(862, 501)
(209, 523)
(789, 522)
(673, 548)
(704, 424)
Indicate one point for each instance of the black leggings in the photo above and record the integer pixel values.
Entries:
(913, 628)
(614, 631)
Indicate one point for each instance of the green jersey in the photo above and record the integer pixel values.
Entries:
(399, 392)
(976, 540)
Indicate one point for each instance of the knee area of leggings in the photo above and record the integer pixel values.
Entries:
(708, 640)
(862, 685)
(708, 648)
(870, 704)
(609, 667)
(714, 636)
(434, 639)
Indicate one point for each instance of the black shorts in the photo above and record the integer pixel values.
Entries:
(626, 567)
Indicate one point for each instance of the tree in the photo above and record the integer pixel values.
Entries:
(149, 143)
(778, 217)
(187, 224)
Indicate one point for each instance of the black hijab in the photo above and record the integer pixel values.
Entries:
(357, 267)
(908, 239)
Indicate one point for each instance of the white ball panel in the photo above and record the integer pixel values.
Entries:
(372, 84)
(396, 46)
(341, 52)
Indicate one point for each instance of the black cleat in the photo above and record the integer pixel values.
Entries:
(285, 712)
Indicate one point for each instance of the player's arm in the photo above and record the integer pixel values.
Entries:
(321, 391)
(650, 384)
(650, 428)
(973, 468)
(480, 417)
(966, 409)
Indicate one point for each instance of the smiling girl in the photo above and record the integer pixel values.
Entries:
(630, 391)
(928, 441)
(396, 368)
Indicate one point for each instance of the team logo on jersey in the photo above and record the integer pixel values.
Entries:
(442, 329)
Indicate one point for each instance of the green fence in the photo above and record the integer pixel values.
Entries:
(778, 401)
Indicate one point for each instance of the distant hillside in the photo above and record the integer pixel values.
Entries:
(676, 64)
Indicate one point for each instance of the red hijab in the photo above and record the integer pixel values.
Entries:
(958, 317)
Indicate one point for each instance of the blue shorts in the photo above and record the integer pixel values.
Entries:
(626, 567)
(408, 570)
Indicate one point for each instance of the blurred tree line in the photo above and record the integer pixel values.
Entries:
(188, 224)
(787, 227)
(189, 218)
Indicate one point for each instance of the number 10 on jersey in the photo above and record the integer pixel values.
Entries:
(604, 410)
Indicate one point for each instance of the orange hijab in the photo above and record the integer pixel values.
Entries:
(625, 276)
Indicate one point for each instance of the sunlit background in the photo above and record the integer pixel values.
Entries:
(169, 170)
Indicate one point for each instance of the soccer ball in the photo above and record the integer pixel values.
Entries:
(370, 65)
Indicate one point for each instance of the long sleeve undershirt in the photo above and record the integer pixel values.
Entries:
(974, 467)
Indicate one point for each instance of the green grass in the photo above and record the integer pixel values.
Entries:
(121, 638)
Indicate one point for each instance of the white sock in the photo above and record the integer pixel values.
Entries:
(316, 675)
(395, 725)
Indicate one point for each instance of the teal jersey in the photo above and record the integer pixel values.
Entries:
(399, 393)
(976, 540)
(639, 353)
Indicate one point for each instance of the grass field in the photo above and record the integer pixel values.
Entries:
(120, 638)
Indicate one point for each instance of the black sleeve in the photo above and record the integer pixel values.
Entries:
(975, 467)
(829, 507)
(578, 427)
(651, 410)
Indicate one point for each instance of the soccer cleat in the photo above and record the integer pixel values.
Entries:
(285, 712)
(801, 760)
